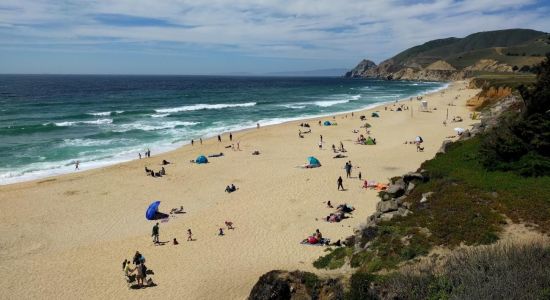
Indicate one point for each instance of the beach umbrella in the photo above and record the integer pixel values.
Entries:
(201, 159)
(327, 123)
(313, 161)
(152, 210)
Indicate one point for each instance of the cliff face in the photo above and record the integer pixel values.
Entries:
(459, 58)
(437, 71)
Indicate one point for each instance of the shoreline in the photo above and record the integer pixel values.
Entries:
(101, 164)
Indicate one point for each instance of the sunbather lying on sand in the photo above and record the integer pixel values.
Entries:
(339, 155)
(216, 155)
(177, 210)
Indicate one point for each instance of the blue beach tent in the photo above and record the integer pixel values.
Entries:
(201, 159)
(152, 210)
(327, 123)
(313, 161)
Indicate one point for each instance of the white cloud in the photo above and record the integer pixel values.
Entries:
(343, 30)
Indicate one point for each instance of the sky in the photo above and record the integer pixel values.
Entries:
(236, 36)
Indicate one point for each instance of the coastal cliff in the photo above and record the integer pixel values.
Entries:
(502, 51)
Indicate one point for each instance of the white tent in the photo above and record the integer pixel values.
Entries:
(424, 105)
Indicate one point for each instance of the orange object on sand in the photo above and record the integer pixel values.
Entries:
(381, 186)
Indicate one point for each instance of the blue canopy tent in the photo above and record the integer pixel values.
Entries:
(327, 123)
(152, 210)
(201, 159)
(313, 161)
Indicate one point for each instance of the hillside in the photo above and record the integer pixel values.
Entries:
(508, 51)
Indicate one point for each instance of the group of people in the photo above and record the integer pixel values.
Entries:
(340, 213)
(138, 272)
(152, 173)
(230, 188)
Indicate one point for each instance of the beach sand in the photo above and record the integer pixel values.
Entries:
(65, 237)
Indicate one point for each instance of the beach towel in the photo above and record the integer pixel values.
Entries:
(323, 242)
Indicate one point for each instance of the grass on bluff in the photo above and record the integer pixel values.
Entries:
(468, 206)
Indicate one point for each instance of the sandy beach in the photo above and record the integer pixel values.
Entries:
(65, 237)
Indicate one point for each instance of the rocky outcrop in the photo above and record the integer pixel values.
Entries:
(297, 285)
(364, 67)
(437, 71)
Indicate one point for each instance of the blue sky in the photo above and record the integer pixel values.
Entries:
(223, 36)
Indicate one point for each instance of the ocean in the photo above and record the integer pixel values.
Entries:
(47, 122)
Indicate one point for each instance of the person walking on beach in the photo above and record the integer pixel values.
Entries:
(219, 138)
(359, 175)
(340, 180)
(201, 140)
(192, 142)
(76, 164)
(230, 137)
(239, 146)
(139, 154)
(220, 233)
(189, 235)
(348, 170)
(155, 233)
(321, 136)
(257, 125)
(350, 167)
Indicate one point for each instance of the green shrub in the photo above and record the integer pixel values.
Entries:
(360, 286)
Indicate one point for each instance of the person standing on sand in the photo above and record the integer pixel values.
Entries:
(340, 180)
(201, 140)
(219, 138)
(220, 233)
(192, 142)
(348, 170)
(230, 137)
(76, 164)
(257, 125)
(321, 136)
(189, 235)
(239, 145)
(359, 175)
(155, 233)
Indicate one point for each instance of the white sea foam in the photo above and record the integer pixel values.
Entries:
(203, 106)
(159, 115)
(104, 113)
(330, 103)
(293, 106)
(73, 123)
(152, 126)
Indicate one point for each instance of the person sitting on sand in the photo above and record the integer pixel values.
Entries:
(256, 152)
(220, 232)
(147, 171)
(229, 225)
(175, 242)
(329, 205)
(230, 188)
(318, 235)
(165, 162)
(162, 171)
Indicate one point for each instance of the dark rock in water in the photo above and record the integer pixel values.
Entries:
(283, 285)
(444, 146)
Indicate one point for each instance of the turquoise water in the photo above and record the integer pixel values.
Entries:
(47, 122)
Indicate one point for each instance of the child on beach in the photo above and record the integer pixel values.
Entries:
(220, 233)
(189, 235)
